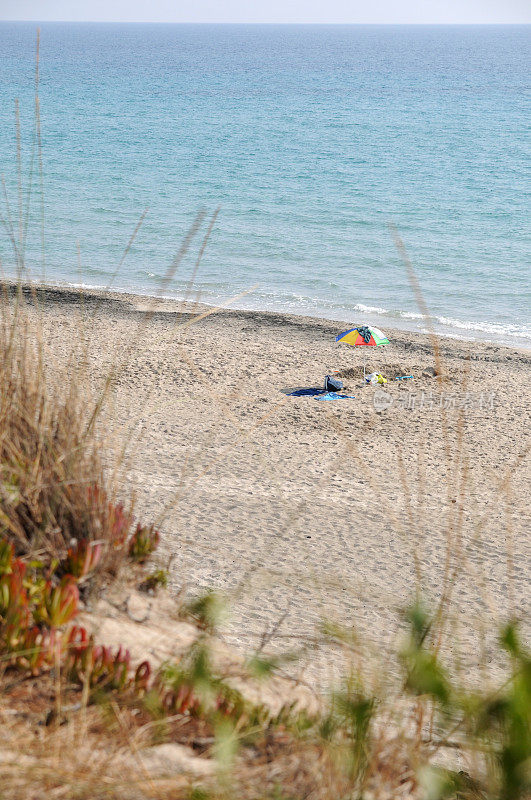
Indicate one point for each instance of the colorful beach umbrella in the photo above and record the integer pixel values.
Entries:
(364, 335)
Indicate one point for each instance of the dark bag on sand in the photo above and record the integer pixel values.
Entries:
(332, 384)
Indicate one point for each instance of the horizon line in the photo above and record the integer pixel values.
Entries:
(225, 22)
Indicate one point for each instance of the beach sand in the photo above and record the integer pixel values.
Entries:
(302, 510)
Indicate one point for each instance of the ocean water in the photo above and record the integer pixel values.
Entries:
(311, 139)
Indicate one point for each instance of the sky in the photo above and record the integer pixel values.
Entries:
(280, 11)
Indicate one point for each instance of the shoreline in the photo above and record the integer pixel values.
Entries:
(162, 304)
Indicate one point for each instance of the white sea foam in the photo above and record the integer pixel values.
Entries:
(476, 327)
(410, 315)
(370, 309)
(508, 329)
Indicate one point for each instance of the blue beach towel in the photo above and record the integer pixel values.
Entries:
(335, 396)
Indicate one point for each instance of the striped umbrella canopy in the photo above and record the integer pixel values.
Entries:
(364, 335)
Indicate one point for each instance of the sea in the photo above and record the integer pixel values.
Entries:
(319, 145)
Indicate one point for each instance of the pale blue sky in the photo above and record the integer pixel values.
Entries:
(332, 11)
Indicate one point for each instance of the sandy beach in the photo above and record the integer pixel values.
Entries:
(302, 510)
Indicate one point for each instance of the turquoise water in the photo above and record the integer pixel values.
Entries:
(310, 138)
